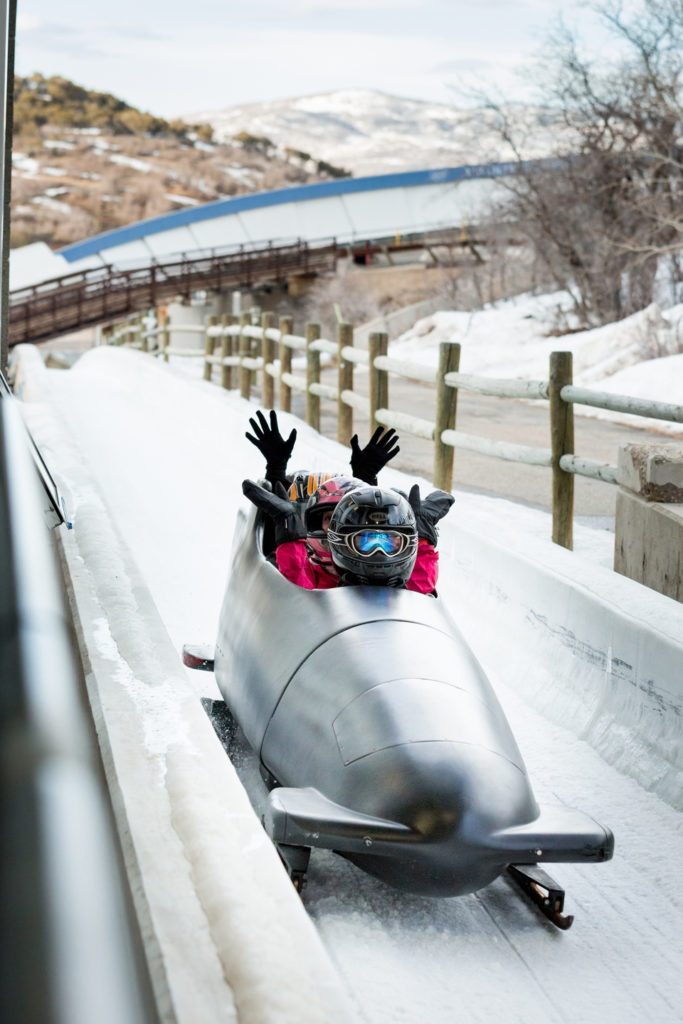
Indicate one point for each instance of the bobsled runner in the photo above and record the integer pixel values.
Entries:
(381, 738)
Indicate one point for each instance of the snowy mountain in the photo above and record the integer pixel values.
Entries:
(85, 162)
(371, 132)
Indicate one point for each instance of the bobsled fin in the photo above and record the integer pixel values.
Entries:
(558, 834)
(304, 817)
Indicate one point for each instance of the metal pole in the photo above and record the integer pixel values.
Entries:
(8, 13)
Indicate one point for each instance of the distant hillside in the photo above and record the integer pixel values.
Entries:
(41, 102)
(84, 162)
(373, 132)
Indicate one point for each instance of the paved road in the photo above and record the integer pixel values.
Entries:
(504, 419)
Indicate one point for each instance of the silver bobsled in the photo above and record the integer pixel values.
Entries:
(380, 735)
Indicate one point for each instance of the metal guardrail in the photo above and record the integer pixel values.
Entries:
(68, 952)
(248, 349)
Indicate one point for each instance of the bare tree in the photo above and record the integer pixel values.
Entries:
(605, 210)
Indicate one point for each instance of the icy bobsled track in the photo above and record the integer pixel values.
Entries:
(586, 666)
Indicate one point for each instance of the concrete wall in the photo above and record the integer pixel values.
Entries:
(649, 543)
(649, 516)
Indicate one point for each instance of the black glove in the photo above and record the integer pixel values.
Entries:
(367, 462)
(282, 511)
(429, 512)
(272, 445)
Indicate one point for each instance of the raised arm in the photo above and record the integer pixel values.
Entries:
(367, 462)
(272, 445)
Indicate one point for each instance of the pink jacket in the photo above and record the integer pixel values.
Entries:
(294, 564)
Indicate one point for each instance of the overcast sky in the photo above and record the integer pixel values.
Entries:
(172, 58)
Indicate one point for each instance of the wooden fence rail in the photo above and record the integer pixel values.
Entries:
(250, 349)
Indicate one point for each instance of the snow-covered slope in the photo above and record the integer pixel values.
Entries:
(370, 132)
(641, 356)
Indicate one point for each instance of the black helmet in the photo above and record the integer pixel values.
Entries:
(373, 537)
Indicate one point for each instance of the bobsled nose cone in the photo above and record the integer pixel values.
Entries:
(452, 796)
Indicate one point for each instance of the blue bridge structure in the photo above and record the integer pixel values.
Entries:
(250, 240)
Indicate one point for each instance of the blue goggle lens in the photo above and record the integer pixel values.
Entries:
(369, 541)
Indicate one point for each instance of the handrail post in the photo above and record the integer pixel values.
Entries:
(268, 352)
(245, 350)
(226, 350)
(209, 346)
(562, 443)
(312, 377)
(285, 352)
(378, 345)
(446, 410)
(344, 383)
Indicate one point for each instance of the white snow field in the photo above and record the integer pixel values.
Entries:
(587, 664)
(641, 356)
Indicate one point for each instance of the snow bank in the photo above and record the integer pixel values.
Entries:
(636, 356)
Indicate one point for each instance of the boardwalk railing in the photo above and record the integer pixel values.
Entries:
(104, 293)
(249, 351)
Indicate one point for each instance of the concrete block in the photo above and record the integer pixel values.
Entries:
(649, 542)
(654, 471)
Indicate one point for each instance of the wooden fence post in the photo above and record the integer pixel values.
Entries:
(312, 377)
(344, 383)
(562, 443)
(209, 343)
(378, 344)
(268, 352)
(245, 350)
(446, 409)
(144, 342)
(165, 337)
(285, 352)
(226, 350)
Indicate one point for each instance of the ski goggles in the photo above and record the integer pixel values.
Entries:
(370, 542)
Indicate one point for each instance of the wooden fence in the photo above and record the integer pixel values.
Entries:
(249, 352)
